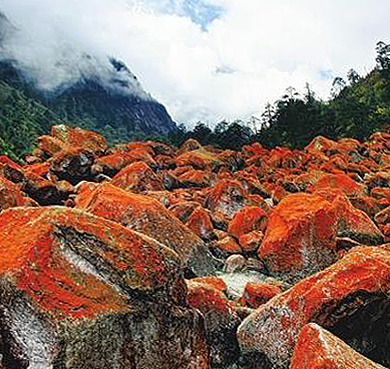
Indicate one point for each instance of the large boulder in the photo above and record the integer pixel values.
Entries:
(113, 163)
(199, 159)
(79, 291)
(221, 321)
(138, 177)
(12, 196)
(300, 237)
(317, 348)
(146, 215)
(78, 137)
(351, 222)
(249, 218)
(349, 298)
(226, 197)
(73, 164)
(343, 182)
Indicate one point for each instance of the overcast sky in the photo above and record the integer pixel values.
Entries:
(207, 60)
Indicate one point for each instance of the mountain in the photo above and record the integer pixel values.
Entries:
(96, 92)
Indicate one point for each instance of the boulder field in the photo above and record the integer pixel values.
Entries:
(147, 256)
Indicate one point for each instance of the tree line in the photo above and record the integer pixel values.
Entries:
(359, 106)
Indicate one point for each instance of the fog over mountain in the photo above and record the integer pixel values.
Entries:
(67, 71)
(203, 59)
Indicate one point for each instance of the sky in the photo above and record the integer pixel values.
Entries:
(205, 60)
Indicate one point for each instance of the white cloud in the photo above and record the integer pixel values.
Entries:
(247, 57)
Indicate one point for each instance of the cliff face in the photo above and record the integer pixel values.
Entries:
(112, 104)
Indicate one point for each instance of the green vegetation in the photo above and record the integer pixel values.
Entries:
(21, 120)
(359, 106)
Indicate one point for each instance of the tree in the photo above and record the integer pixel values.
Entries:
(353, 76)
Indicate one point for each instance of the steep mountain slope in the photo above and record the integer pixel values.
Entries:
(96, 92)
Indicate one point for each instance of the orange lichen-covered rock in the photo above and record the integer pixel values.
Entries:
(221, 321)
(77, 137)
(228, 245)
(50, 145)
(197, 178)
(190, 145)
(54, 239)
(256, 294)
(342, 182)
(232, 160)
(146, 215)
(250, 241)
(383, 217)
(165, 162)
(73, 164)
(112, 164)
(71, 281)
(183, 210)
(285, 158)
(300, 237)
(307, 179)
(199, 159)
(11, 195)
(317, 348)
(226, 197)
(200, 223)
(215, 282)
(378, 179)
(249, 218)
(351, 222)
(41, 169)
(251, 184)
(137, 177)
(43, 191)
(367, 204)
(321, 143)
(6, 160)
(355, 223)
(346, 298)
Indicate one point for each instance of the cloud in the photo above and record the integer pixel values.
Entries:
(204, 60)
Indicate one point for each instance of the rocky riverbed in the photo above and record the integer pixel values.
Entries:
(146, 256)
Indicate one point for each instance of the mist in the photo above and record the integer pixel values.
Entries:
(203, 59)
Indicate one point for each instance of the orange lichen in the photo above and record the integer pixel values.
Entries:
(227, 197)
(250, 241)
(256, 294)
(301, 235)
(50, 145)
(6, 160)
(215, 282)
(41, 169)
(319, 349)
(35, 259)
(208, 299)
(198, 159)
(200, 223)
(11, 195)
(137, 177)
(249, 218)
(111, 164)
(342, 182)
(323, 144)
(363, 270)
(228, 245)
(197, 178)
(77, 137)
(146, 215)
